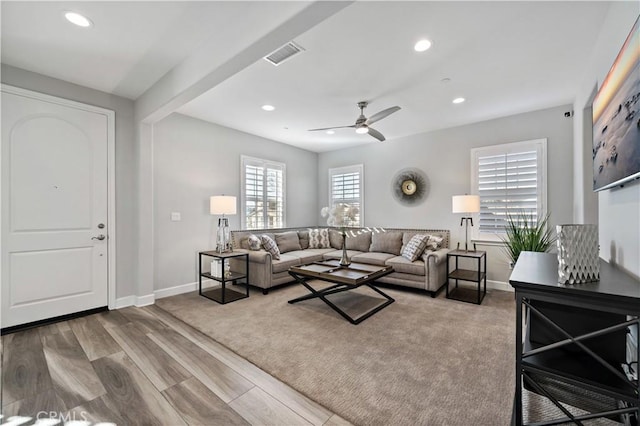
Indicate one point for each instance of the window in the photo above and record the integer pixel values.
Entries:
(510, 179)
(263, 189)
(346, 186)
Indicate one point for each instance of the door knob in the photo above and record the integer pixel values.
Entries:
(99, 237)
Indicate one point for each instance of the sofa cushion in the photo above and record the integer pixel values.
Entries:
(254, 242)
(335, 239)
(360, 240)
(387, 242)
(372, 258)
(270, 245)
(402, 265)
(337, 254)
(303, 236)
(285, 262)
(415, 247)
(288, 241)
(309, 255)
(319, 238)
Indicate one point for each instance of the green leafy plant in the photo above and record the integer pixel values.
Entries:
(525, 233)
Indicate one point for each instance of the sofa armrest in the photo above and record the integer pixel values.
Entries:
(439, 256)
(257, 256)
(436, 264)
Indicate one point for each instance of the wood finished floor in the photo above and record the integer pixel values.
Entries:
(142, 366)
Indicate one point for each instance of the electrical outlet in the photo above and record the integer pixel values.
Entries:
(175, 217)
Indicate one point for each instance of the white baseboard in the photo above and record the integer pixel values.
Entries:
(123, 302)
(499, 285)
(172, 291)
(148, 299)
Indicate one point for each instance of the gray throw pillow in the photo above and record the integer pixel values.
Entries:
(288, 241)
(360, 240)
(270, 246)
(254, 243)
(434, 242)
(415, 247)
(335, 239)
(387, 242)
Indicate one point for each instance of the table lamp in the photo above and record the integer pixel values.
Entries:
(222, 205)
(465, 204)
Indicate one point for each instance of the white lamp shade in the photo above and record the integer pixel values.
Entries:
(222, 204)
(465, 204)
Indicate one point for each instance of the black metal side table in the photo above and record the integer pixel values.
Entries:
(230, 271)
(477, 276)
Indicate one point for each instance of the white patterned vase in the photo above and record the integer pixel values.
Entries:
(578, 257)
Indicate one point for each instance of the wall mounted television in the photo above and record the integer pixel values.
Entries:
(616, 119)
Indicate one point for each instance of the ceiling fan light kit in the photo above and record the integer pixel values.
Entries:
(363, 123)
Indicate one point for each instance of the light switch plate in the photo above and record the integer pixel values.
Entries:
(175, 217)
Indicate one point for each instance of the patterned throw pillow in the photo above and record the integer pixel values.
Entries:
(254, 242)
(319, 238)
(270, 246)
(415, 247)
(435, 242)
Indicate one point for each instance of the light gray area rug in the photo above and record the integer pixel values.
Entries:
(418, 361)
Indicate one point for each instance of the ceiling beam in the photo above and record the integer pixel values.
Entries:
(201, 72)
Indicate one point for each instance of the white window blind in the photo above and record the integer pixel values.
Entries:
(263, 193)
(346, 186)
(510, 180)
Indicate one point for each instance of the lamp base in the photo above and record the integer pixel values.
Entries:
(466, 221)
(223, 244)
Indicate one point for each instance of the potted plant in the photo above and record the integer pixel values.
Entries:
(525, 233)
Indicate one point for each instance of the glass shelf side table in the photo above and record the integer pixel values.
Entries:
(233, 267)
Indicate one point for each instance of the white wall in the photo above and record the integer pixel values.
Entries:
(193, 160)
(619, 208)
(126, 201)
(444, 156)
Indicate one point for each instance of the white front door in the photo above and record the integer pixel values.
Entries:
(54, 209)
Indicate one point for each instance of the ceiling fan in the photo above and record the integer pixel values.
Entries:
(363, 123)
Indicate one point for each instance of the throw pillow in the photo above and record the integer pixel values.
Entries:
(288, 241)
(254, 242)
(387, 242)
(319, 238)
(335, 239)
(270, 246)
(434, 242)
(415, 247)
(303, 236)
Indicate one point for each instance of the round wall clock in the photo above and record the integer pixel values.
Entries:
(410, 187)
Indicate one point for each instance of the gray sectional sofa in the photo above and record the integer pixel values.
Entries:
(378, 246)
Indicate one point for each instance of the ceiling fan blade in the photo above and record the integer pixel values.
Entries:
(331, 128)
(376, 134)
(382, 114)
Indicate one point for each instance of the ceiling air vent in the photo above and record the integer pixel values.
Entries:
(284, 53)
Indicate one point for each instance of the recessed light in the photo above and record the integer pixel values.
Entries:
(445, 80)
(268, 107)
(422, 45)
(330, 132)
(77, 19)
(458, 100)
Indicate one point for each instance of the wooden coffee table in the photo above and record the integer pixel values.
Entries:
(344, 278)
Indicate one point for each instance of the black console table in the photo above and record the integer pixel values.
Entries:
(573, 348)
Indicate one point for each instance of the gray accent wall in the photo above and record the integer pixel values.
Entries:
(126, 164)
(195, 159)
(444, 156)
(618, 209)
